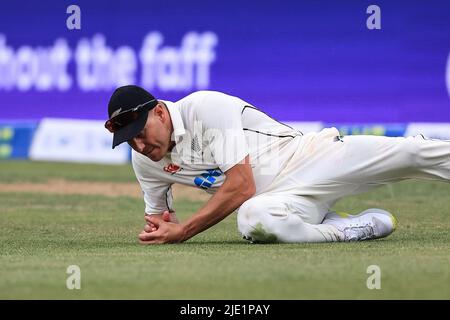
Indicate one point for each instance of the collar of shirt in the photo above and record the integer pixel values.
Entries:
(177, 121)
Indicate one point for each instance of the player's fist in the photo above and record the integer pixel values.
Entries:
(166, 231)
(149, 228)
(168, 216)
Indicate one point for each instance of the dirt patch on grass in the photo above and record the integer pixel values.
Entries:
(109, 189)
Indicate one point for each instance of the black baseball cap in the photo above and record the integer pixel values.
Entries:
(128, 110)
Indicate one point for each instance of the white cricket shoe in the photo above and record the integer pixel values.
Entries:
(369, 224)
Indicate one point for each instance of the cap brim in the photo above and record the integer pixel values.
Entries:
(130, 131)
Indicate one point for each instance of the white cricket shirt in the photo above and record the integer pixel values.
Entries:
(214, 131)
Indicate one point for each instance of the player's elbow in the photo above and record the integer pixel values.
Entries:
(240, 182)
(247, 190)
(251, 189)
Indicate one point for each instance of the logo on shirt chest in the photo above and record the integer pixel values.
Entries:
(172, 168)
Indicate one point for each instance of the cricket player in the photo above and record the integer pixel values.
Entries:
(281, 182)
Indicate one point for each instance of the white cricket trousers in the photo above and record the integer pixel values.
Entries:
(326, 168)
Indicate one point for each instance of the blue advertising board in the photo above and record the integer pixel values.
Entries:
(15, 139)
(296, 60)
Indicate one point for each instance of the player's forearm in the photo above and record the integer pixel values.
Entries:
(219, 206)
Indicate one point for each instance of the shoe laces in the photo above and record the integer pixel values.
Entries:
(358, 233)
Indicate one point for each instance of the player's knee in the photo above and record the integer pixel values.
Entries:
(253, 222)
(248, 214)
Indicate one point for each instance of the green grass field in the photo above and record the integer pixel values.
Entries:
(41, 234)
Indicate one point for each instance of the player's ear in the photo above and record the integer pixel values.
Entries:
(163, 113)
(158, 111)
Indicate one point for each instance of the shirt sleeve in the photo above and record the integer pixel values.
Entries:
(221, 118)
(157, 194)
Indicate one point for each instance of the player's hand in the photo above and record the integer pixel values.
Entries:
(166, 231)
(168, 216)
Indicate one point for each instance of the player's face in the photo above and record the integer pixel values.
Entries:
(154, 140)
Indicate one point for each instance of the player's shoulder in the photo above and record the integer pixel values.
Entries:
(200, 96)
(207, 100)
(204, 93)
(142, 165)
